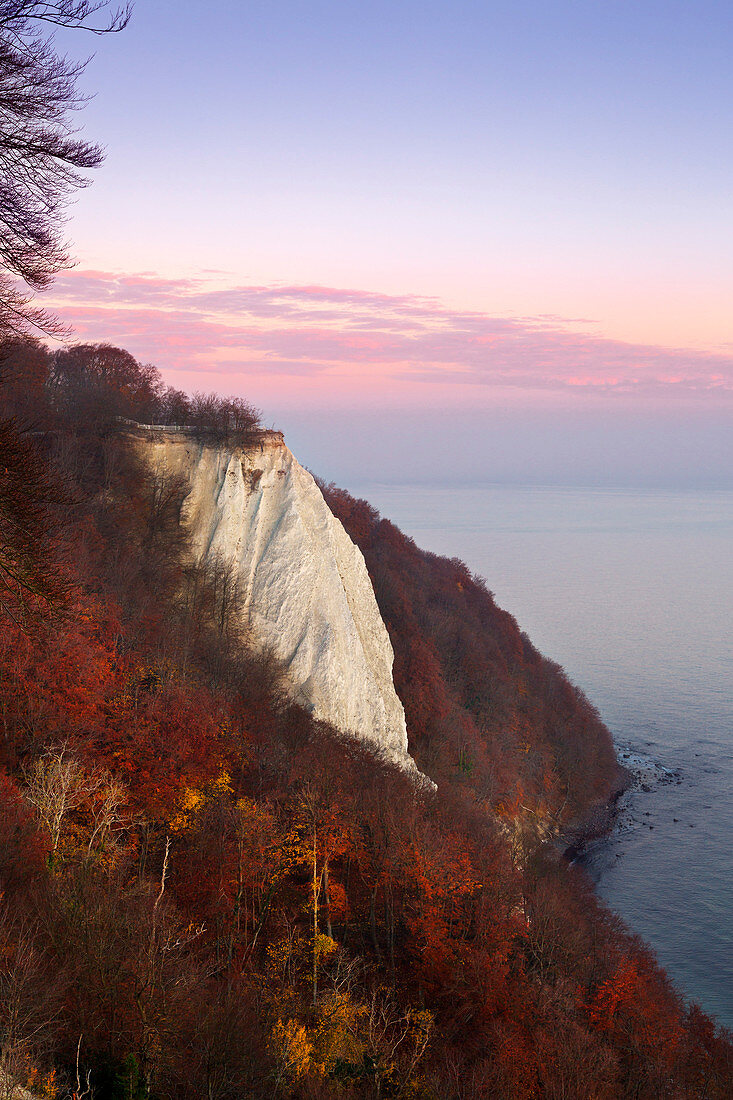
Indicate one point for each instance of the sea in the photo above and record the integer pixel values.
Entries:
(631, 591)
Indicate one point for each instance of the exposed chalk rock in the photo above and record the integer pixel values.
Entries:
(306, 594)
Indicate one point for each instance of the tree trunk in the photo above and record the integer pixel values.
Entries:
(315, 913)
(329, 929)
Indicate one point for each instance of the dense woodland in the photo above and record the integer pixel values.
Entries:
(485, 710)
(205, 893)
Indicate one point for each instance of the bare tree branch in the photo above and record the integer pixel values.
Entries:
(42, 158)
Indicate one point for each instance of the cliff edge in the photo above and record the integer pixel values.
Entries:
(304, 590)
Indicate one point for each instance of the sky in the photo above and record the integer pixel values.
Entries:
(505, 227)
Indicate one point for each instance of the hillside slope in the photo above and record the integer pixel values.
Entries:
(484, 709)
(204, 892)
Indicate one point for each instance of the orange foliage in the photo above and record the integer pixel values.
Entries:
(271, 879)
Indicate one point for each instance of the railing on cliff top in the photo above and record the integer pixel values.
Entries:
(254, 435)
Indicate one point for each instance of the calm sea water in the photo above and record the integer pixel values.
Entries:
(632, 592)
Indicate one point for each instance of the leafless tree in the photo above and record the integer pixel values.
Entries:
(28, 1002)
(227, 593)
(55, 787)
(223, 419)
(42, 158)
(57, 784)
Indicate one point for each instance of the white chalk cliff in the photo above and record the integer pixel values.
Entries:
(305, 589)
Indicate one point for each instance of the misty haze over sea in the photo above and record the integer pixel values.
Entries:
(628, 444)
(632, 592)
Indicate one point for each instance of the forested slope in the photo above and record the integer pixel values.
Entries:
(485, 710)
(204, 893)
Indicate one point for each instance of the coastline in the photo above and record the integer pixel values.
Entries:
(598, 822)
(636, 772)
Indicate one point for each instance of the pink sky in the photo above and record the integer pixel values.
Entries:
(281, 345)
(517, 214)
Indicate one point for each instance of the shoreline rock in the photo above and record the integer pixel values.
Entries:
(598, 822)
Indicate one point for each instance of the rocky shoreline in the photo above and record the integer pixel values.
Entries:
(637, 772)
(576, 837)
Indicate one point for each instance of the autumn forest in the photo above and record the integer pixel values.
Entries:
(205, 892)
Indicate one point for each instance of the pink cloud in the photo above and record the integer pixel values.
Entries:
(351, 336)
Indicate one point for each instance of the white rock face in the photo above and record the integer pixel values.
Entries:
(306, 590)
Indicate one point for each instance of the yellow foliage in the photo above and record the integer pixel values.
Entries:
(279, 954)
(422, 1024)
(324, 946)
(193, 798)
(254, 818)
(189, 803)
(336, 1036)
(344, 1032)
(221, 785)
(292, 1048)
(42, 1084)
(289, 958)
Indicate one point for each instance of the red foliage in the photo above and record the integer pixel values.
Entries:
(23, 848)
(181, 951)
(482, 706)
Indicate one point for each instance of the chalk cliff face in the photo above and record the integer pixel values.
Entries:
(305, 589)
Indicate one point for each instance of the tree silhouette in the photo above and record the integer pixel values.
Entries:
(42, 158)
